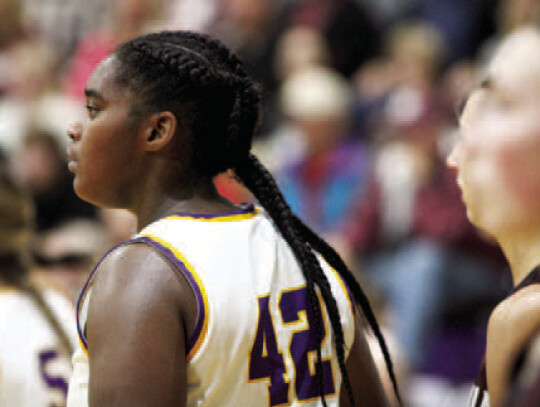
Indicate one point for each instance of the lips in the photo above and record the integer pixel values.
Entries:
(72, 166)
(72, 163)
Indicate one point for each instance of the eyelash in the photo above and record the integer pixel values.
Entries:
(92, 111)
(460, 105)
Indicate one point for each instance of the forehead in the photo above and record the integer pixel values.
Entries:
(516, 65)
(103, 80)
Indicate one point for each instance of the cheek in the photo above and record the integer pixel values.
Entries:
(105, 160)
(505, 172)
(520, 169)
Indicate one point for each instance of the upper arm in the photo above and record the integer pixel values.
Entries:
(512, 324)
(135, 331)
(363, 375)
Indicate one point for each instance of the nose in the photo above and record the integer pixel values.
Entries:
(74, 131)
(453, 159)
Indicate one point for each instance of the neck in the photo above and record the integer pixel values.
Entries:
(158, 201)
(522, 252)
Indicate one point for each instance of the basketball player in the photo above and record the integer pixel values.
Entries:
(210, 304)
(35, 325)
(499, 174)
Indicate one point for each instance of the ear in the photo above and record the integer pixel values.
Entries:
(159, 131)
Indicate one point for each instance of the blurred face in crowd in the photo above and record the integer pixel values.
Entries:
(322, 134)
(497, 155)
(248, 13)
(41, 164)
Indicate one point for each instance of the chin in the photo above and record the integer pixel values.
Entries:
(78, 188)
(85, 195)
(472, 216)
(476, 219)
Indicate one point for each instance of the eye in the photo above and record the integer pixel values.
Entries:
(92, 111)
(459, 107)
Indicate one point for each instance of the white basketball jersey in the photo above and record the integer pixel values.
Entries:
(254, 341)
(33, 370)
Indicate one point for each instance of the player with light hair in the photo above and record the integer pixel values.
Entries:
(498, 166)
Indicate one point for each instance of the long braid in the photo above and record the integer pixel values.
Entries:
(257, 178)
(333, 258)
(15, 272)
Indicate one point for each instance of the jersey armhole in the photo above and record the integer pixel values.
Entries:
(196, 339)
(194, 342)
(82, 305)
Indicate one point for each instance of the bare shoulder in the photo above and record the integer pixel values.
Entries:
(512, 324)
(140, 269)
(136, 321)
(131, 282)
(516, 318)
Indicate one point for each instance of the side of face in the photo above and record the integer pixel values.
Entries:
(107, 150)
(497, 156)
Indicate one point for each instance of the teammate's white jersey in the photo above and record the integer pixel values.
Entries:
(33, 370)
(478, 397)
(254, 341)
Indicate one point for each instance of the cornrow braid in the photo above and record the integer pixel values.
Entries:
(190, 72)
(259, 181)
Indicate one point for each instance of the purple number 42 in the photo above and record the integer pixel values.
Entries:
(267, 362)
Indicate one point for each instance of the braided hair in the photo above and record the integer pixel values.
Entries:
(205, 85)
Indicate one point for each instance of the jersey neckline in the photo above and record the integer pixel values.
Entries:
(242, 211)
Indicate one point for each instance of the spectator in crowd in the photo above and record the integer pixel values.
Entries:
(28, 96)
(43, 168)
(350, 31)
(411, 231)
(322, 183)
(297, 48)
(129, 18)
(414, 51)
(509, 16)
(252, 28)
(463, 24)
(66, 254)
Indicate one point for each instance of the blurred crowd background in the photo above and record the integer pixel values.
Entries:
(362, 101)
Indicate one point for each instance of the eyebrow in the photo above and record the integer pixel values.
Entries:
(91, 93)
(486, 83)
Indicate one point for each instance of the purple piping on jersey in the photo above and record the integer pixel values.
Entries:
(243, 209)
(87, 284)
(194, 285)
(349, 293)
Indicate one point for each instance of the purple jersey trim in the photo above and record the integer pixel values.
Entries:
(82, 295)
(201, 312)
(243, 209)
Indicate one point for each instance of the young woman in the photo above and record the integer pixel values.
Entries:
(37, 331)
(210, 304)
(499, 174)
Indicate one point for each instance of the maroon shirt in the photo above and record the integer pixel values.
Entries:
(438, 214)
